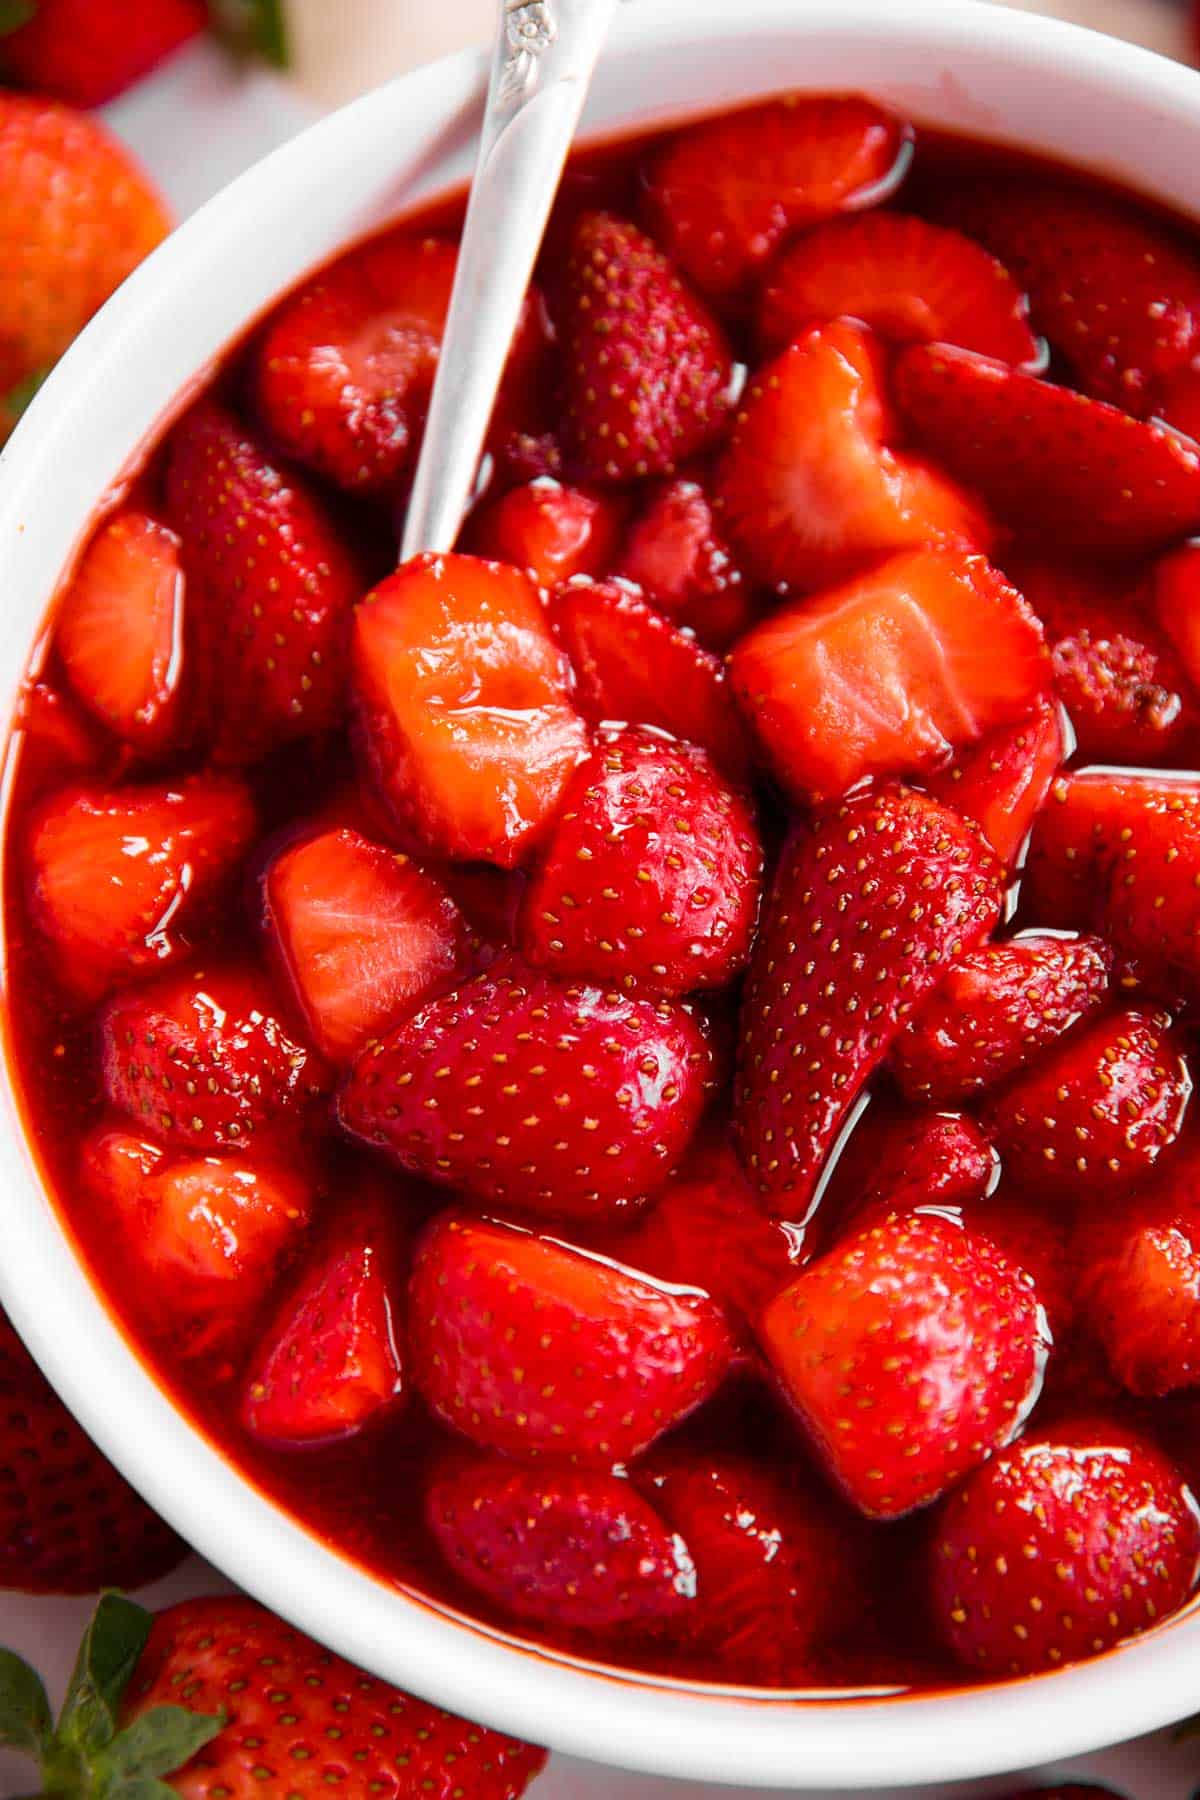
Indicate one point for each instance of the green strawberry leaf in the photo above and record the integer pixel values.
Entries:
(157, 1743)
(252, 27)
(14, 13)
(25, 1720)
(112, 1643)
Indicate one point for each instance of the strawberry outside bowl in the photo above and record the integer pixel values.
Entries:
(994, 74)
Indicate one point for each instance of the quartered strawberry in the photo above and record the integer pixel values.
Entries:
(723, 193)
(647, 370)
(329, 1363)
(69, 1524)
(1051, 462)
(943, 1334)
(551, 531)
(553, 1096)
(676, 555)
(362, 935)
(650, 879)
(204, 1238)
(1003, 781)
(871, 903)
(270, 586)
(634, 665)
(996, 1010)
(1095, 1114)
(576, 1551)
(538, 1350)
(938, 1160)
(124, 880)
(910, 281)
(1061, 1546)
(889, 674)
(343, 371)
(59, 741)
(1116, 293)
(1077, 834)
(201, 1060)
(463, 705)
(89, 51)
(1152, 910)
(120, 631)
(808, 491)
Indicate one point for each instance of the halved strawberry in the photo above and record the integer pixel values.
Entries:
(464, 711)
(936, 1329)
(271, 582)
(722, 194)
(634, 666)
(910, 281)
(122, 881)
(58, 740)
(361, 933)
(871, 901)
(677, 557)
(202, 1060)
(1003, 781)
(889, 674)
(550, 531)
(650, 878)
(1052, 462)
(808, 491)
(204, 1237)
(647, 367)
(120, 630)
(330, 1363)
(1077, 834)
(1117, 294)
(551, 1096)
(575, 1551)
(1098, 1111)
(344, 369)
(997, 1009)
(536, 1349)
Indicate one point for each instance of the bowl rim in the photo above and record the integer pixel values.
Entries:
(605, 1714)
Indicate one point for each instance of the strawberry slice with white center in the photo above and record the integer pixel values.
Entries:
(808, 490)
(361, 933)
(910, 281)
(889, 674)
(121, 630)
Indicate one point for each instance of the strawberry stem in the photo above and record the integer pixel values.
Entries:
(252, 27)
(14, 13)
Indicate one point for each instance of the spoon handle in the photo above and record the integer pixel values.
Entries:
(542, 65)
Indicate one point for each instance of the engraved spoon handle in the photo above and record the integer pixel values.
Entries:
(543, 61)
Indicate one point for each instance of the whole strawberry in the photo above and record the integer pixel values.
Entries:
(88, 51)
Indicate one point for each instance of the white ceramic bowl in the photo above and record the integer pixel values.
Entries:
(1008, 76)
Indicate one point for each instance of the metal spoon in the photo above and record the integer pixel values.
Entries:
(542, 65)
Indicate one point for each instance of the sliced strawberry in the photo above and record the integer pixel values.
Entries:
(58, 741)
(938, 1160)
(722, 194)
(1061, 1546)
(343, 372)
(650, 880)
(889, 674)
(910, 281)
(534, 1349)
(1003, 781)
(464, 712)
(329, 1363)
(808, 491)
(873, 899)
(124, 880)
(647, 367)
(559, 1098)
(633, 665)
(205, 1238)
(676, 555)
(550, 531)
(361, 933)
(996, 1010)
(579, 1552)
(1116, 293)
(1175, 594)
(120, 630)
(1077, 835)
(941, 1332)
(1098, 1111)
(1152, 909)
(201, 1059)
(1050, 461)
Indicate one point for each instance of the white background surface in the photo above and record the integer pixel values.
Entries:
(196, 125)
